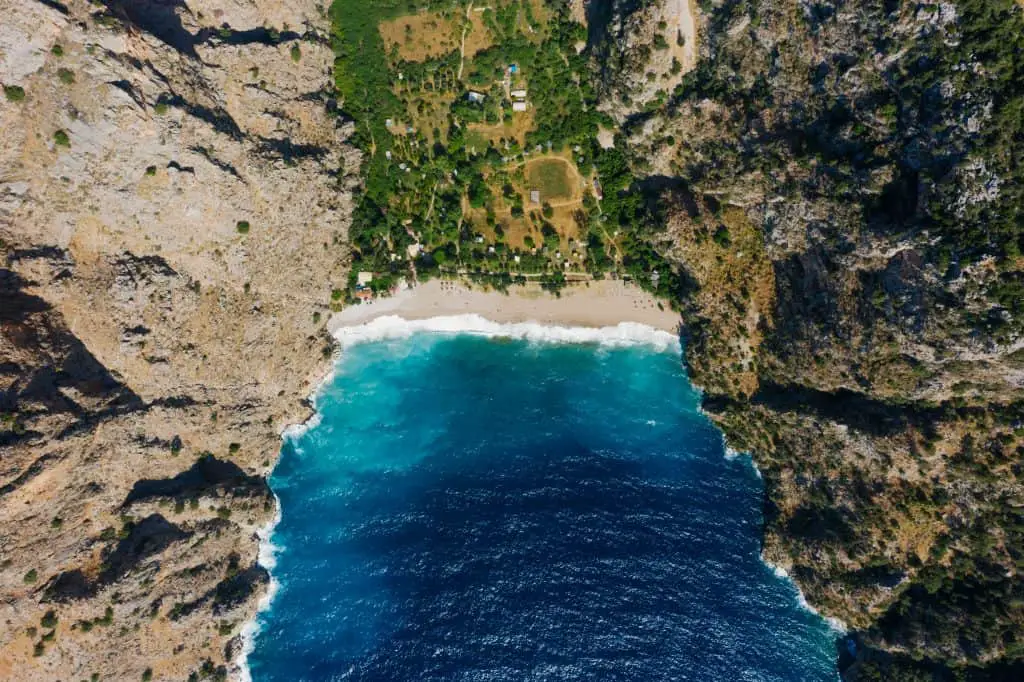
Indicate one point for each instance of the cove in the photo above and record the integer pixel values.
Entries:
(477, 507)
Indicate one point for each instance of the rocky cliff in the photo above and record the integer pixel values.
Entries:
(839, 183)
(174, 201)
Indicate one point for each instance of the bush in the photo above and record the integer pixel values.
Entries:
(160, 108)
(151, 170)
(57, 51)
(30, 577)
(66, 76)
(57, 522)
(147, 675)
(61, 139)
(336, 294)
(242, 227)
(49, 620)
(14, 93)
(296, 53)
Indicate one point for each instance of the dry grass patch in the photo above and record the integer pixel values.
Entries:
(522, 123)
(419, 37)
(478, 37)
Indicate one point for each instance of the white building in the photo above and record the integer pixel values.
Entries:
(364, 278)
(475, 96)
(518, 106)
(521, 94)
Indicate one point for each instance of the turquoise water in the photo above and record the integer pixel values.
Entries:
(483, 509)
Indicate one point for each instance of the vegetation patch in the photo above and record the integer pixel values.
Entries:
(14, 93)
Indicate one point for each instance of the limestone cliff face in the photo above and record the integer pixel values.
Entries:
(174, 201)
(839, 181)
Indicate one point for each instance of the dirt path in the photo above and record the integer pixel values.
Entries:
(462, 43)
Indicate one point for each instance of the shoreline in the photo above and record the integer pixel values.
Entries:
(596, 304)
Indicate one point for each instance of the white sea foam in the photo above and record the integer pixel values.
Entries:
(837, 625)
(294, 432)
(394, 327)
(267, 558)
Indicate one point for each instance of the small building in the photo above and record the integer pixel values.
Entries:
(475, 96)
(364, 278)
(534, 196)
(364, 294)
(413, 250)
(518, 106)
(387, 154)
(519, 94)
(513, 68)
(597, 190)
(388, 122)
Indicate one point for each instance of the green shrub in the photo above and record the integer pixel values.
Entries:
(31, 576)
(242, 226)
(57, 51)
(224, 513)
(66, 76)
(151, 170)
(336, 294)
(147, 675)
(61, 139)
(49, 620)
(39, 649)
(296, 53)
(57, 522)
(160, 108)
(234, 448)
(316, 317)
(14, 93)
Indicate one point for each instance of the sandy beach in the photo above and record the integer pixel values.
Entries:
(601, 303)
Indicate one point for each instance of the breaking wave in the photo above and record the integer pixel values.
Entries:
(393, 327)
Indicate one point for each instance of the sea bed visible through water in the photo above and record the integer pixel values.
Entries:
(522, 503)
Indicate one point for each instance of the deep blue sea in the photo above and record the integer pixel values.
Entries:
(473, 508)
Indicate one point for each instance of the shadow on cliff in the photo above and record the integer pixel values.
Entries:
(46, 365)
(149, 537)
(207, 476)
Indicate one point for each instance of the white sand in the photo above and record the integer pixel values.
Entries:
(602, 303)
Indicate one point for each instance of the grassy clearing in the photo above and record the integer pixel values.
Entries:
(419, 37)
(554, 178)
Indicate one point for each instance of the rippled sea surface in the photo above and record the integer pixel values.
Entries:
(482, 509)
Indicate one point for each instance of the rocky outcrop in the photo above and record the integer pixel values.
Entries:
(174, 201)
(643, 48)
